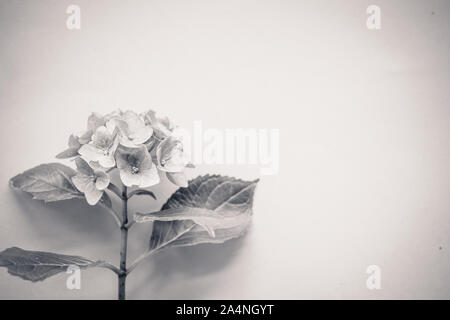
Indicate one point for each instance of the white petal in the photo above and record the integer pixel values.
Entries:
(81, 181)
(107, 161)
(92, 194)
(129, 179)
(149, 177)
(142, 134)
(90, 153)
(128, 143)
(95, 120)
(85, 137)
(121, 159)
(102, 181)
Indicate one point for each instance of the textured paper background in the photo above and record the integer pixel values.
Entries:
(364, 151)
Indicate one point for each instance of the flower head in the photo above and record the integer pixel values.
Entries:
(89, 181)
(128, 141)
(136, 167)
(102, 147)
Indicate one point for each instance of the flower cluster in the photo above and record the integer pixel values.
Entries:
(140, 146)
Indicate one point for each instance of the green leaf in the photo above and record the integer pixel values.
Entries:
(48, 182)
(38, 265)
(212, 209)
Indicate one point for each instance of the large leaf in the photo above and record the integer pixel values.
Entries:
(37, 265)
(212, 209)
(48, 182)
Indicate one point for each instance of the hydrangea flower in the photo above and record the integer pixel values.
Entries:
(171, 158)
(95, 121)
(102, 147)
(162, 126)
(133, 130)
(125, 140)
(74, 145)
(89, 181)
(136, 167)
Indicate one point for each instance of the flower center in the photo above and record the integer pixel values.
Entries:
(134, 169)
(104, 143)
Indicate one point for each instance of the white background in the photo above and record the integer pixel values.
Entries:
(364, 146)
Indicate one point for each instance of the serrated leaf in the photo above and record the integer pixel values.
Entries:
(38, 265)
(212, 209)
(48, 182)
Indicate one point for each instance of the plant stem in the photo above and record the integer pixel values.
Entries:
(115, 190)
(123, 246)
